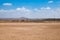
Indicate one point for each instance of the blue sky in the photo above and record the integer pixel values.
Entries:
(30, 8)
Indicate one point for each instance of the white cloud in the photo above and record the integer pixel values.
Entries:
(50, 1)
(23, 9)
(17, 10)
(44, 12)
(47, 12)
(46, 8)
(7, 4)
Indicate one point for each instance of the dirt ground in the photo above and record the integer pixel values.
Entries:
(29, 31)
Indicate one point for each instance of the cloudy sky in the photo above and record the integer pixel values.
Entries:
(30, 8)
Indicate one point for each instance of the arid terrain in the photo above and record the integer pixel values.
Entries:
(30, 31)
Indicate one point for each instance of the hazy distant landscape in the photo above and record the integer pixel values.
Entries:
(22, 19)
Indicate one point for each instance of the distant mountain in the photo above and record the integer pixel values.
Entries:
(21, 18)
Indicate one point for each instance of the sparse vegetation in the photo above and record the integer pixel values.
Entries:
(29, 20)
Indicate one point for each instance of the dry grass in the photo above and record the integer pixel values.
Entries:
(29, 31)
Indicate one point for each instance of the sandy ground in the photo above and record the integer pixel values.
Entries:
(29, 31)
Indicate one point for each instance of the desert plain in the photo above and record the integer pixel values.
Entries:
(30, 31)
